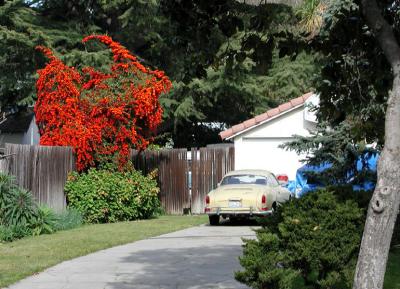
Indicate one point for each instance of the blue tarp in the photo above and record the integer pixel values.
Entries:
(304, 183)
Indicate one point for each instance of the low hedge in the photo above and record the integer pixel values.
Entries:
(311, 242)
(104, 195)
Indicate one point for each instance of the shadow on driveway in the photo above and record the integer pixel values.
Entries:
(187, 267)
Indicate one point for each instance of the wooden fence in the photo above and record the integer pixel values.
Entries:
(208, 166)
(172, 167)
(42, 170)
(205, 168)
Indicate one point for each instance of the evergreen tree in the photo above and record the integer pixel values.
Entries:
(228, 61)
(22, 28)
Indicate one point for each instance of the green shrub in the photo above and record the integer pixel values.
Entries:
(20, 208)
(17, 206)
(11, 233)
(45, 221)
(69, 219)
(362, 198)
(103, 195)
(20, 215)
(312, 242)
(6, 186)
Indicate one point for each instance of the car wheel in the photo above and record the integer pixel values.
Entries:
(214, 220)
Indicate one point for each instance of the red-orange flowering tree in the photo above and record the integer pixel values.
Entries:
(101, 115)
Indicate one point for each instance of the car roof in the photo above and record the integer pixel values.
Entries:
(249, 172)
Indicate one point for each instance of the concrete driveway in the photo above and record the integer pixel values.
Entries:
(199, 257)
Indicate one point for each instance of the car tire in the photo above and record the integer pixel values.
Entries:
(214, 220)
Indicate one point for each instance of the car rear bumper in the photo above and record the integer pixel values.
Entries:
(240, 212)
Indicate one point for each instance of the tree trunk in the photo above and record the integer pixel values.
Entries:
(384, 205)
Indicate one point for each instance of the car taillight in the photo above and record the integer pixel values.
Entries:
(264, 203)
(283, 178)
(207, 200)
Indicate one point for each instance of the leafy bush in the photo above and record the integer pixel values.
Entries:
(103, 196)
(362, 198)
(69, 219)
(20, 208)
(17, 206)
(14, 232)
(312, 242)
(20, 215)
(17, 210)
(45, 221)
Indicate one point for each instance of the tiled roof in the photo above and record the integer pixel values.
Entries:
(272, 113)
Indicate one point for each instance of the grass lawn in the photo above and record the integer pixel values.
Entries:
(392, 276)
(30, 255)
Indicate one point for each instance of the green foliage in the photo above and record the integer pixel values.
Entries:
(258, 63)
(311, 242)
(68, 219)
(338, 148)
(17, 210)
(13, 232)
(109, 196)
(6, 186)
(17, 206)
(353, 86)
(45, 221)
(251, 58)
(20, 215)
(22, 28)
(289, 78)
(355, 79)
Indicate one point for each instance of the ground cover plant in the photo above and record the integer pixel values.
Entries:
(28, 256)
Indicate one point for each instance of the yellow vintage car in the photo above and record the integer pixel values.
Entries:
(245, 194)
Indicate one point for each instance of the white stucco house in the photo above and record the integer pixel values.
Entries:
(257, 140)
(19, 128)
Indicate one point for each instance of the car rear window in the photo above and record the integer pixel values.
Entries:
(245, 179)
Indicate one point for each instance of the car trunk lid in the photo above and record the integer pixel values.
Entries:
(234, 197)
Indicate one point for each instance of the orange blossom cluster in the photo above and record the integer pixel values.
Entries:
(101, 115)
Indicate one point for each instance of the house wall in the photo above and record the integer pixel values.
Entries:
(258, 148)
(11, 138)
(32, 136)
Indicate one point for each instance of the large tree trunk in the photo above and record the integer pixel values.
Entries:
(384, 205)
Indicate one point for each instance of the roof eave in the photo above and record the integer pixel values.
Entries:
(263, 122)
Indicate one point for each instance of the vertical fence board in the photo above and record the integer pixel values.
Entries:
(208, 167)
(172, 176)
